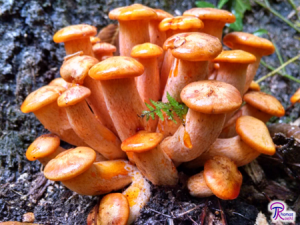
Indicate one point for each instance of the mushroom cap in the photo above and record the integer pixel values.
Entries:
(70, 164)
(104, 48)
(76, 69)
(146, 50)
(113, 209)
(180, 23)
(43, 146)
(73, 95)
(223, 177)
(245, 41)
(194, 46)
(255, 133)
(296, 97)
(41, 97)
(211, 14)
(74, 32)
(235, 56)
(141, 142)
(254, 86)
(94, 40)
(60, 82)
(265, 103)
(132, 12)
(161, 14)
(116, 67)
(211, 97)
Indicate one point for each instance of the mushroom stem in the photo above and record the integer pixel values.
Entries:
(251, 71)
(197, 186)
(87, 127)
(191, 141)
(182, 73)
(56, 121)
(82, 44)
(124, 105)
(132, 33)
(248, 110)
(213, 27)
(233, 148)
(101, 178)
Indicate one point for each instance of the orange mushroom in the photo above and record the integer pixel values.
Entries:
(250, 43)
(76, 38)
(133, 25)
(220, 176)
(42, 103)
(86, 126)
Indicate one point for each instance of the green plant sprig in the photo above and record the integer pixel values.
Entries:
(171, 108)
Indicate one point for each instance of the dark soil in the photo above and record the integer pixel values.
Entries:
(29, 59)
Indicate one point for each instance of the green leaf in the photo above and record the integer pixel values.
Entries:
(222, 3)
(149, 106)
(260, 32)
(202, 4)
(172, 101)
(160, 114)
(238, 24)
(241, 6)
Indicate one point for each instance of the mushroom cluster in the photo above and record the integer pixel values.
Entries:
(96, 107)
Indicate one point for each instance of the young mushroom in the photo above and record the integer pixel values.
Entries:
(121, 96)
(154, 164)
(86, 126)
(208, 101)
(76, 38)
(220, 177)
(133, 25)
(252, 140)
(257, 46)
(103, 50)
(43, 103)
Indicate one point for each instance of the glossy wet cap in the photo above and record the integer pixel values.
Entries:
(235, 56)
(73, 95)
(180, 23)
(141, 142)
(161, 14)
(254, 86)
(41, 98)
(43, 146)
(74, 32)
(113, 209)
(103, 48)
(76, 69)
(255, 133)
(70, 164)
(296, 97)
(116, 67)
(223, 177)
(211, 97)
(249, 42)
(94, 40)
(211, 14)
(60, 82)
(146, 50)
(264, 102)
(194, 46)
(132, 12)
